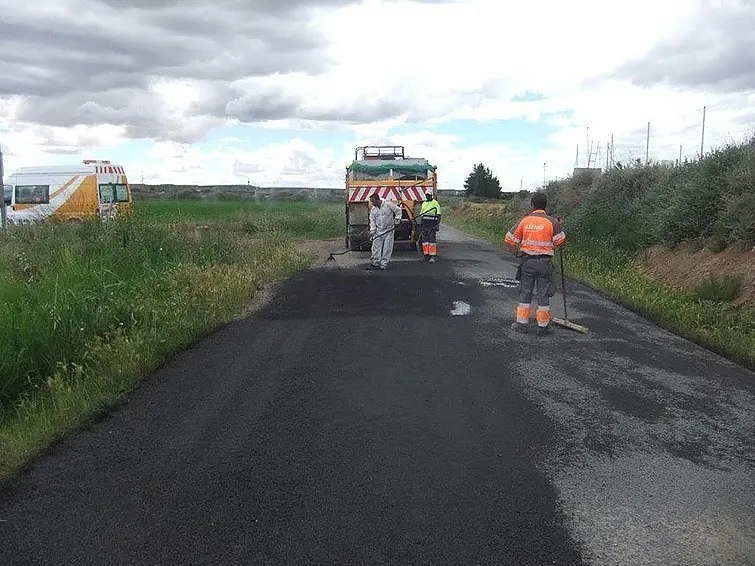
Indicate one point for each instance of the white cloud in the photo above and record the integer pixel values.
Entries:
(332, 67)
(294, 163)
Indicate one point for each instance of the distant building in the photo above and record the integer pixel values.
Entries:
(587, 170)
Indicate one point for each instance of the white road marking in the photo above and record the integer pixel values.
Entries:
(509, 283)
(461, 308)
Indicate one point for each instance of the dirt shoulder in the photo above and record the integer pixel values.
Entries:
(687, 268)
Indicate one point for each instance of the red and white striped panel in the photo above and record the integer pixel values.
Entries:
(415, 193)
(113, 169)
(362, 194)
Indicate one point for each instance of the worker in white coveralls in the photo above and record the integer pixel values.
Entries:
(384, 217)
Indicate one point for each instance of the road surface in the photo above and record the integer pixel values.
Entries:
(394, 418)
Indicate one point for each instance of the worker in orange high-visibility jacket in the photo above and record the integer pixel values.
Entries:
(536, 236)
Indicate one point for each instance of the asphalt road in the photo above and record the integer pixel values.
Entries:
(394, 418)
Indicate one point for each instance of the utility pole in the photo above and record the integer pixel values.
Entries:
(702, 137)
(647, 147)
(587, 144)
(680, 155)
(576, 159)
(608, 154)
(612, 158)
(543, 174)
(4, 215)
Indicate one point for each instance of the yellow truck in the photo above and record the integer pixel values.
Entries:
(385, 170)
(96, 188)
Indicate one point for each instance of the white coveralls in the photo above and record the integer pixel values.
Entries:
(382, 220)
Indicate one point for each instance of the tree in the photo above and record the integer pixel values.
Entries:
(482, 183)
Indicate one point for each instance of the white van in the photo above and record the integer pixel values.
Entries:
(68, 192)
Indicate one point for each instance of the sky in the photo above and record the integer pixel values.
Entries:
(281, 92)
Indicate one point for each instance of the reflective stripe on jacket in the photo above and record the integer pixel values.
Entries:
(536, 234)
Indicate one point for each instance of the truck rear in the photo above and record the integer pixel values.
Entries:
(386, 171)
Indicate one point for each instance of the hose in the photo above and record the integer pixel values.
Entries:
(413, 221)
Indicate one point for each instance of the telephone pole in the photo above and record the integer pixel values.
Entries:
(612, 159)
(647, 147)
(702, 137)
(608, 154)
(4, 214)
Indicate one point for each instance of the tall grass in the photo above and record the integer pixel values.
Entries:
(90, 307)
(710, 200)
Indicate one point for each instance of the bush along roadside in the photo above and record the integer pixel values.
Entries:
(90, 308)
(704, 317)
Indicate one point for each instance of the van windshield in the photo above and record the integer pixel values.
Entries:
(8, 190)
(110, 193)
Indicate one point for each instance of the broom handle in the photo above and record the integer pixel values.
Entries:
(563, 283)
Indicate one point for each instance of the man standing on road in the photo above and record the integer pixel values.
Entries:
(430, 214)
(537, 235)
(384, 217)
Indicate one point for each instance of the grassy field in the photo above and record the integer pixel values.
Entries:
(90, 308)
(703, 316)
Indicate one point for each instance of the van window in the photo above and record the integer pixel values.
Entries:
(110, 192)
(121, 193)
(8, 193)
(32, 194)
(106, 193)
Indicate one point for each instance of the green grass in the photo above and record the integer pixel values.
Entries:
(720, 289)
(89, 308)
(290, 219)
(704, 316)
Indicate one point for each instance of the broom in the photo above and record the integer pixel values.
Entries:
(565, 321)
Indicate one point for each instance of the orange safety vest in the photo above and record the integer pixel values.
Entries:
(536, 234)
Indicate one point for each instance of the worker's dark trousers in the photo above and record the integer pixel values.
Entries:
(537, 272)
(429, 245)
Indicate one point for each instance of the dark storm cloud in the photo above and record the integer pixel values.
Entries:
(716, 53)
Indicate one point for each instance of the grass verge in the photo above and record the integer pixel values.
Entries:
(713, 324)
(90, 308)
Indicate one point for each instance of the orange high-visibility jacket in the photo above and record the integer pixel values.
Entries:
(536, 234)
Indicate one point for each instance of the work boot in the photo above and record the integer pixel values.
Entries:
(543, 330)
(522, 328)
(432, 259)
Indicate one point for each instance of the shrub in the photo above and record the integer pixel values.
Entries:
(720, 290)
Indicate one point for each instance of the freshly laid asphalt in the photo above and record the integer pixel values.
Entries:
(394, 418)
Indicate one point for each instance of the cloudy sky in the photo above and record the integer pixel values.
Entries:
(280, 92)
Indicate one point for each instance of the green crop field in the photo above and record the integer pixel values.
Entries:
(89, 308)
(290, 219)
